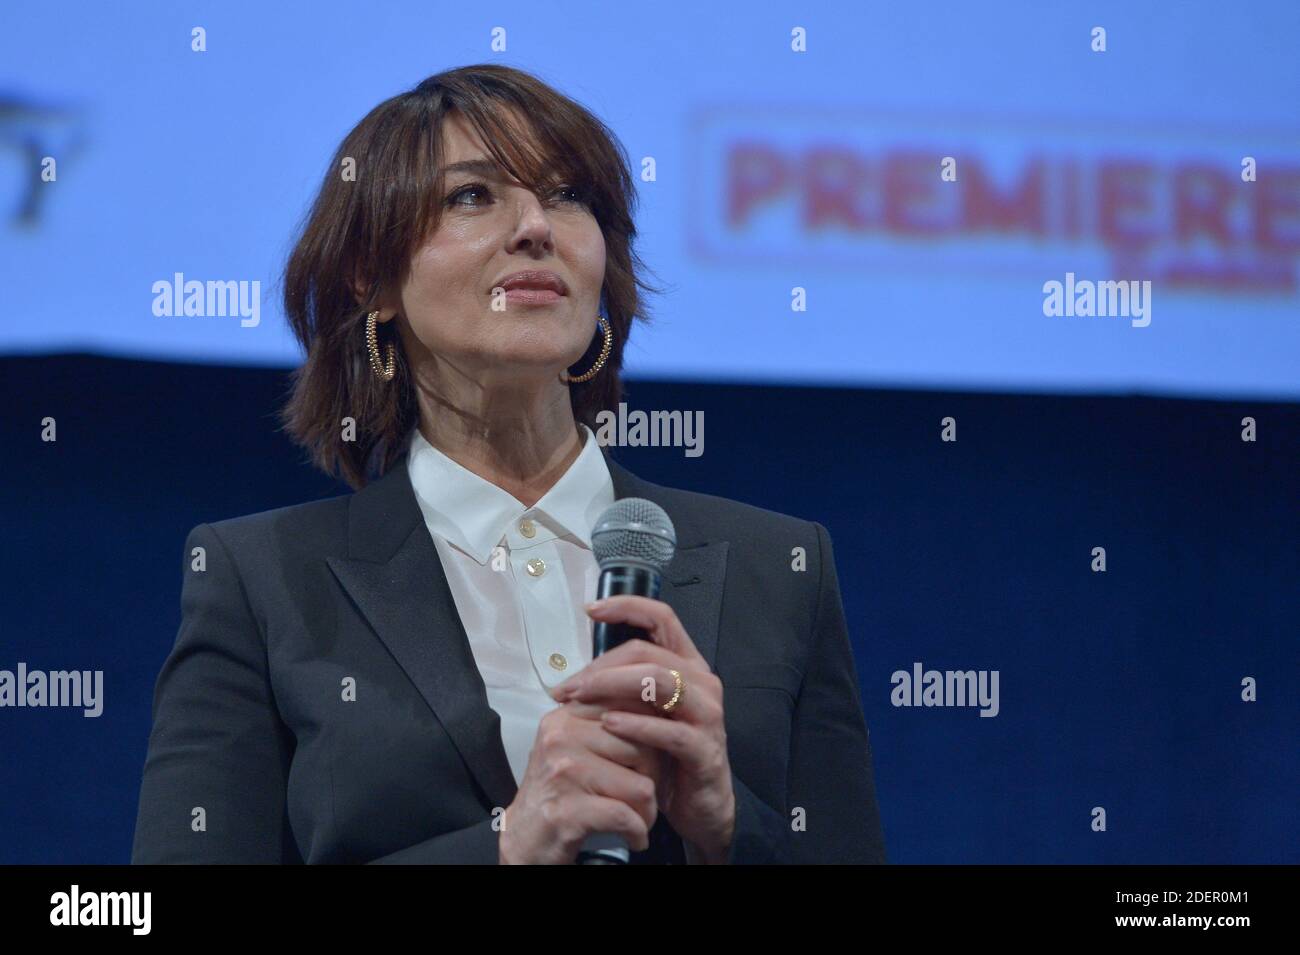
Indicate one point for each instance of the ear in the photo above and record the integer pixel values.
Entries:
(360, 290)
(386, 313)
(359, 287)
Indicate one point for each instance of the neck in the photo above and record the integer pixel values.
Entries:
(522, 438)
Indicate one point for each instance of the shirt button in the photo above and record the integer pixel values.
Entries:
(527, 528)
(558, 661)
(536, 567)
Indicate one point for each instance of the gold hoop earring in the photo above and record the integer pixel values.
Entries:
(590, 373)
(383, 371)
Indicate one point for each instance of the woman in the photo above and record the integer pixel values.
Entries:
(404, 674)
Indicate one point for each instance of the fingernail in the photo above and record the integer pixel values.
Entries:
(595, 605)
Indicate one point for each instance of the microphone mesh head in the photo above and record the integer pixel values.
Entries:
(634, 531)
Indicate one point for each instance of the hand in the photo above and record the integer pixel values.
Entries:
(696, 794)
(580, 779)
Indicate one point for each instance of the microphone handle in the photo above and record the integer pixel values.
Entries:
(614, 581)
(607, 848)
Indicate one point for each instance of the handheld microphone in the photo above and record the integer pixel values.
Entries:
(634, 541)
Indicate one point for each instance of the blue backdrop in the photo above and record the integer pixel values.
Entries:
(1118, 689)
(795, 146)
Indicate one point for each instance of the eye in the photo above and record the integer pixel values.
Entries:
(571, 194)
(576, 193)
(452, 200)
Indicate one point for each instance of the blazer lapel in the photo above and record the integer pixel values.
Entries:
(395, 577)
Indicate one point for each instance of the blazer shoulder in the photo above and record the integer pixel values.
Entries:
(319, 525)
(727, 516)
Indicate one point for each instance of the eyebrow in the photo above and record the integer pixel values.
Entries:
(475, 167)
(487, 168)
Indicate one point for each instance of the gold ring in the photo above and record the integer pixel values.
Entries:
(679, 690)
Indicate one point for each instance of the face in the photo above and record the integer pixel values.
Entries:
(491, 228)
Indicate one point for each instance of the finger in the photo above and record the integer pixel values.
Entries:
(643, 688)
(657, 618)
(600, 777)
(687, 744)
(588, 732)
(601, 814)
(592, 735)
(634, 651)
(638, 651)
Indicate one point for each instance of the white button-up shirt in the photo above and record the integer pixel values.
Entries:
(520, 577)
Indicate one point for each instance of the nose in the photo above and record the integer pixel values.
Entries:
(532, 232)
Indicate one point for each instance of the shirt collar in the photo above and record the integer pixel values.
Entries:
(473, 514)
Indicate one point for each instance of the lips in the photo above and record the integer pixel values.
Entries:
(534, 280)
(532, 296)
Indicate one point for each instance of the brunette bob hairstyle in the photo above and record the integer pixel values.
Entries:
(363, 230)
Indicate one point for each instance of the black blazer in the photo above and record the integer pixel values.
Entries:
(256, 757)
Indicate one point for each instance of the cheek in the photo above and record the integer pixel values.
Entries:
(443, 272)
(588, 244)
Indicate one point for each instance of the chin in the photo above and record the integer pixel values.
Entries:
(530, 364)
(539, 345)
